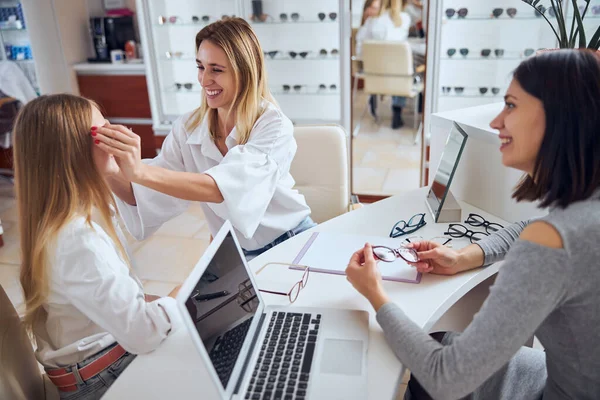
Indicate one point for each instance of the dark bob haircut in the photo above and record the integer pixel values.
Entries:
(567, 168)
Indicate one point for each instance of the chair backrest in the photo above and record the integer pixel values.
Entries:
(20, 375)
(388, 68)
(320, 169)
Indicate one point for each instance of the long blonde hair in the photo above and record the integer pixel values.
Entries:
(240, 44)
(394, 8)
(55, 179)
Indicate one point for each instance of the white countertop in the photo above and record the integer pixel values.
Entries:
(110, 69)
(176, 371)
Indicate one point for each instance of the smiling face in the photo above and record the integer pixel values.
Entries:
(215, 76)
(373, 9)
(105, 162)
(522, 124)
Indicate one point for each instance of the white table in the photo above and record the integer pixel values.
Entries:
(175, 371)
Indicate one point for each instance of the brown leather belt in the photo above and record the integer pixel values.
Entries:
(67, 382)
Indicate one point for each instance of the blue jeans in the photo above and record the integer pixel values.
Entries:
(398, 101)
(95, 387)
(307, 223)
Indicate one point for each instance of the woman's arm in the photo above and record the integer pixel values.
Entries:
(183, 185)
(529, 287)
(121, 186)
(497, 245)
(94, 279)
(125, 146)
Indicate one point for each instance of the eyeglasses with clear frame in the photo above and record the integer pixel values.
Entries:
(388, 254)
(298, 286)
(443, 240)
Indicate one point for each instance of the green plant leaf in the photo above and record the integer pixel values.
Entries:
(563, 41)
(595, 41)
(580, 26)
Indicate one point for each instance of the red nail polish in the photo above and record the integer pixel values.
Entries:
(93, 133)
(97, 141)
(94, 128)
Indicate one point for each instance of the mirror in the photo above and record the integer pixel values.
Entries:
(442, 205)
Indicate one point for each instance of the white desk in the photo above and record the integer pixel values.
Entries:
(174, 370)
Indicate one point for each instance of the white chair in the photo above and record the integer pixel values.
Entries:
(20, 375)
(320, 169)
(387, 70)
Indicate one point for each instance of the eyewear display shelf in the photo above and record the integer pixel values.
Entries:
(306, 58)
(14, 39)
(477, 45)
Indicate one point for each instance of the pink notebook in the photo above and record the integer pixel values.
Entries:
(329, 253)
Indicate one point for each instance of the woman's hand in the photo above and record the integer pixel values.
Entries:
(363, 274)
(435, 258)
(124, 145)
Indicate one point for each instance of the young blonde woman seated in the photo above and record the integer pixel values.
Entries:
(84, 305)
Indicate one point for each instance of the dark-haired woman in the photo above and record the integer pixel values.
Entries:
(548, 285)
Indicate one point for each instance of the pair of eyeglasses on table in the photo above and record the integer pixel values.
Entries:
(293, 293)
(417, 221)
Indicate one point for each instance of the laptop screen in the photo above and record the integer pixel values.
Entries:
(222, 306)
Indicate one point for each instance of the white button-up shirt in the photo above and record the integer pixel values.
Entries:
(382, 28)
(253, 178)
(95, 300)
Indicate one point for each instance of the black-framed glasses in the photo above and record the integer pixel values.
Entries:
(302, 54)
(272, 53)
(323, 86)
(402, 227)
(333, 52)
(284, 17)
(388, 254)
(487, 52)
(322, 16)
(297, 88)
(477, 220)
(187, 86)
(462, 12)
(463, 52)
(205, 18)
(298, 286)
(497, 12)
(539, 11)
(484, 90)
(458, 231)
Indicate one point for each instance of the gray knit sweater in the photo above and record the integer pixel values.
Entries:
(552, 293)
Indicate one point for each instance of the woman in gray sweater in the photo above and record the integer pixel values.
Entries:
(549, 283)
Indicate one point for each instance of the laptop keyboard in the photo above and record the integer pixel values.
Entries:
(226, 349)
(282, 370)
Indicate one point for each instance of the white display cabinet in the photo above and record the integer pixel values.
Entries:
(472, 55)
(14, 39)
(306, 45)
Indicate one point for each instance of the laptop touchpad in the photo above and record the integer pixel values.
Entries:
(342, 357)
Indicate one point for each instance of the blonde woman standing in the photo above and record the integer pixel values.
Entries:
(232, 154)
(85, 307)
(391, 24)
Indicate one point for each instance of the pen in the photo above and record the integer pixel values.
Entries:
(210, 296)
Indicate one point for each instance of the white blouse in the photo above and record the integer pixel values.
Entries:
(253, 178)
(96, 300)
(382, 28)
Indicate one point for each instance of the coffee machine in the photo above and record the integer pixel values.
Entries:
(110, 33)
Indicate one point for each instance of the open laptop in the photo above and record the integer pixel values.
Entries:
(255, 351)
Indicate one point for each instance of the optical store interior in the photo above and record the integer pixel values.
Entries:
(299, 199)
